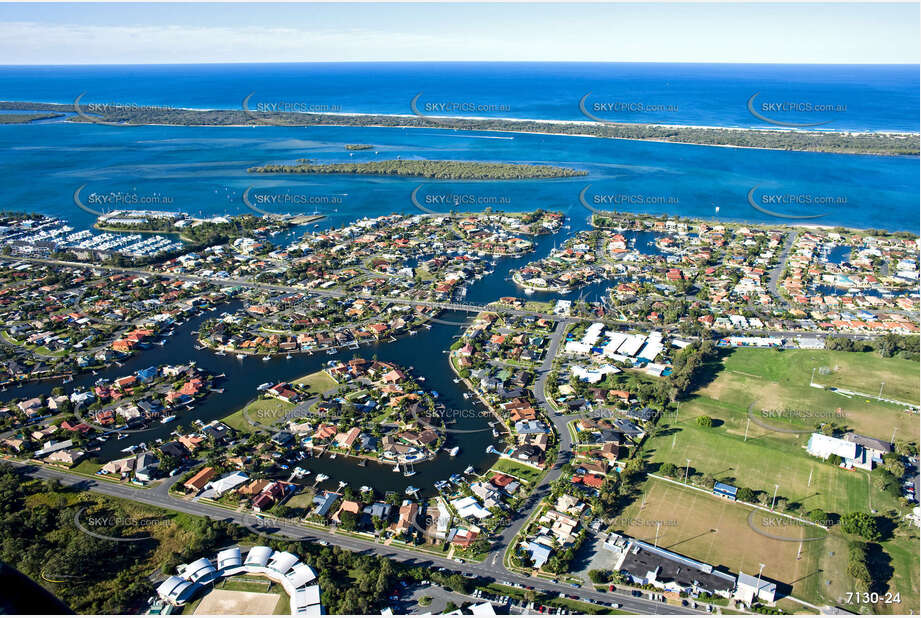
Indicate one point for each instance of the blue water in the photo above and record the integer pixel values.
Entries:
(863, 97)
(203, 170)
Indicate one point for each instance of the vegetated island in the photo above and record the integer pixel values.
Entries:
(842, 142)
(446, 170)
(27, 118)
(358, 146)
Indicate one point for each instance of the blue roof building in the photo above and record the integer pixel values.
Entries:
(727, 491)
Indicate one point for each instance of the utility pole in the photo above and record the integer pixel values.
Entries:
(656, 542)
(686, 471)
(809, 482)
(812, 379)
(892, 439)
(774, 499)
(758, 586)
(745, 439)
(880, 396)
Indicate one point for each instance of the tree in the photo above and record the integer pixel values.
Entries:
(705, 421)
(861, 524)
(745, 494)
(668, 469)
(817, 515)
(599, 576)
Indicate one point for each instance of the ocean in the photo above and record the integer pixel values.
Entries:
(841, 97)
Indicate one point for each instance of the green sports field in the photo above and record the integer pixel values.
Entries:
(751, 446)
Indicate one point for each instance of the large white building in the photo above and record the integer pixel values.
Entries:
(282, 567)
(852, 454)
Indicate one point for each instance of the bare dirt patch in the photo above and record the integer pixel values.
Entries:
(221, 602)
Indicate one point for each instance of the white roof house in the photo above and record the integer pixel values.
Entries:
(176, 591)
(301, 574)
(226, 483)
(853, 454)
(577, 347)
(615, 340)
(229, 559)
(469, 507)
(282, 562)
(304, 597)
(200, 572)
(632, 345)
(747, 586)
(482, 609)
(823, 446)
(258, 556)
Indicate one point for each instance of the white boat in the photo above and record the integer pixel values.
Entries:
(412, 490)
(266, 357)
(466, 395)
(457, 380)
(167, 419)
(396, 468)
(333, 456)
(288, 357)
(454, 451)
(469, 470)
(241, 356)
(365, 489)
(264, 386)
(322, 477)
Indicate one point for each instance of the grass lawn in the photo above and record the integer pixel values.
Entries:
(262, 411)
(302, 499)
(717, 531)
(766, 458)
(525, 473)
(769, 380)
(779, 379)
(318, 382)
(247, 584)
(89, 467)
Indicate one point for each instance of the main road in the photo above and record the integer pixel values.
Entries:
(159, 497)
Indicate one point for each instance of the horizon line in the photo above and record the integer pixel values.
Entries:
(244, 62)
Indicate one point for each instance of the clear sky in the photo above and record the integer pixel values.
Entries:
(685, 32)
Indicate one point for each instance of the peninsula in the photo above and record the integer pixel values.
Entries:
(843, 142)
